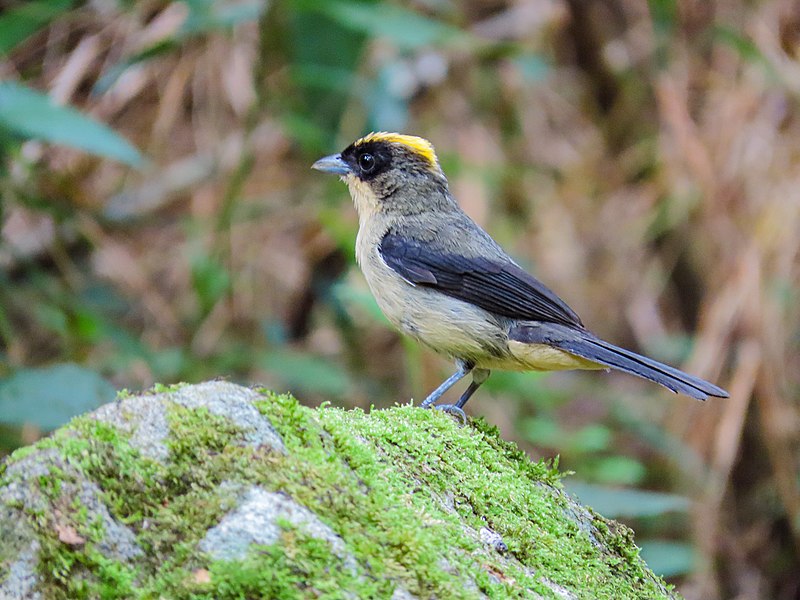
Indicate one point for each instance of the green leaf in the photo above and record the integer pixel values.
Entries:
(49, 397)
(387, 108)
(19, 22)
(664, 15)
(331, 79)
(529, 386)
(685, 459)
(404, 27)
(617, 470)
(667, 558)
(211, 281)
(543, 431)
(613, 502)
(592, 438)
(337, 226)
(349, 295)
(746, 48)
(209, 15)
(112, 74)
(51, 318)
(33, 115)
(306, 372)
(204, 16)
(532, 67)
(168, 363)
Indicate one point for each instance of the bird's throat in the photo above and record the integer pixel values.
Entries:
(364, 199)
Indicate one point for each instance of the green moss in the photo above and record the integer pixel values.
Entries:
(299, 566)
(407, 490)
(408, 453)
(73, 570)
(160, 388)
(132, 485)
(346, 490)
(124, 394)
(17, 455)
(197, 435)
(83, 573)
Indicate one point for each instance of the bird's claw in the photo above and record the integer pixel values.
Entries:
(453, 410)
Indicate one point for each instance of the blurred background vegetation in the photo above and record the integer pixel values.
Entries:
(160, 223)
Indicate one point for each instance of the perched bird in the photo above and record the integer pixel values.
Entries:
(440, 278)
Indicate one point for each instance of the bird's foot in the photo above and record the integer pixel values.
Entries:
(453, 410)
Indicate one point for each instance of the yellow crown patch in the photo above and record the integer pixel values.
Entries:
(418, 145)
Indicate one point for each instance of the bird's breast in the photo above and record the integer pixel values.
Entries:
(449, 326)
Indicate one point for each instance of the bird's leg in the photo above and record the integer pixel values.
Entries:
(478, 377)
(463, 368)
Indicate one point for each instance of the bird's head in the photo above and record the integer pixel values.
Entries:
(390, 172)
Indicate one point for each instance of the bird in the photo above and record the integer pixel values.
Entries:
(442, 280)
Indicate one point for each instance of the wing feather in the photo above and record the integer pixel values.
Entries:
(499, 287)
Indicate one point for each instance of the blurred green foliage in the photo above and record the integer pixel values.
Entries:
(195, 243)
(28, 114)
(325, 78)
(21, 21)
(669, 558)
(51, 396)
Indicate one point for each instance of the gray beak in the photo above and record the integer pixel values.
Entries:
(332, 164)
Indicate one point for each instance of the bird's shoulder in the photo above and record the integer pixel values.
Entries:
(452, 234)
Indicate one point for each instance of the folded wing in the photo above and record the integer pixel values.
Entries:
(499, 287)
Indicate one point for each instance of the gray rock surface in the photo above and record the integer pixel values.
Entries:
(256, 519)
(219, 491)
(143, 417)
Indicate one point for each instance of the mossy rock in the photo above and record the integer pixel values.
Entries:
(218, 491)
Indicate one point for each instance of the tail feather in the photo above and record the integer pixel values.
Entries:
(602, 352)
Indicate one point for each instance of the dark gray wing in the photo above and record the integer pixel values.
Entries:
(499, 287)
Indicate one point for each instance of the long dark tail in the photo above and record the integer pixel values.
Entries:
(586, 345)
(671, 378)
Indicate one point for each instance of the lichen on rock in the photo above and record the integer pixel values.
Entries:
(219, 491)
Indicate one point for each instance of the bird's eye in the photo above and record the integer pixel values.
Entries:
(366, 162)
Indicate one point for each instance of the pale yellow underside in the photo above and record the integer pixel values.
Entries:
(541, 357)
